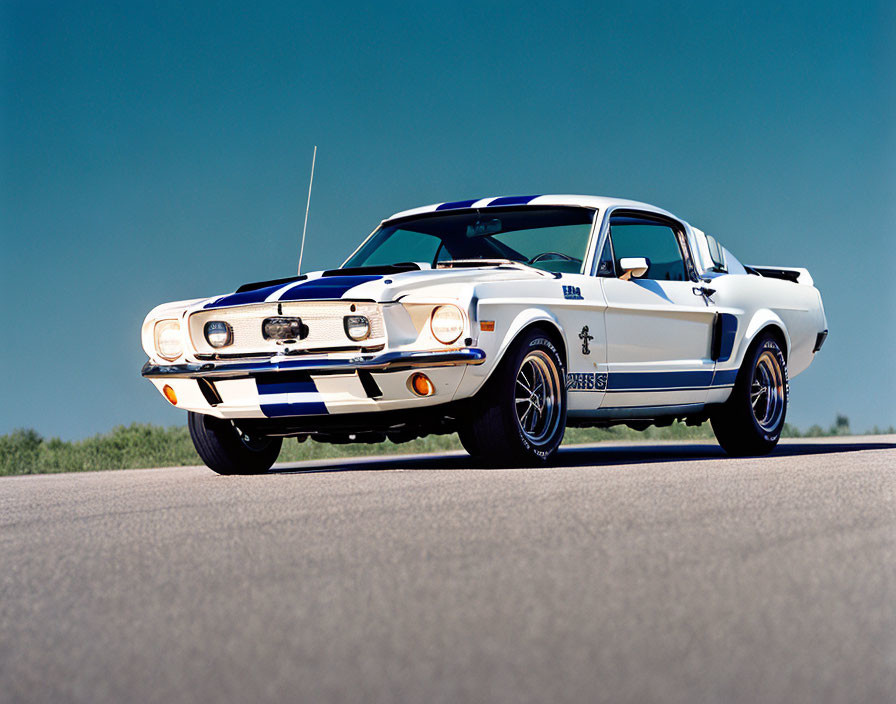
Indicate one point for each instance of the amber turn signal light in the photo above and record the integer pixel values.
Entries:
(421, 385)
(487, 325)
(168, 393)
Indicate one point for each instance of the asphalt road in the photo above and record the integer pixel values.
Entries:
(661, 573)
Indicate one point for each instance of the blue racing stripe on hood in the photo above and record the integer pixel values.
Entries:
(325, 287)
(240, 299)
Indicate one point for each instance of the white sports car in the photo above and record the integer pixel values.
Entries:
(502, 319)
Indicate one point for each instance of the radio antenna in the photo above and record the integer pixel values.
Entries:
(307, 206)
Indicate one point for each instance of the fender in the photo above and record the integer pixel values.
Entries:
(524, 318)
(761, 319)
(475, 377)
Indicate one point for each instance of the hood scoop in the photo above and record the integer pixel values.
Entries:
(384, 270)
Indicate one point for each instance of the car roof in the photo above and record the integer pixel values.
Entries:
(599, 202)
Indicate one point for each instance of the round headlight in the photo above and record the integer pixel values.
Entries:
(447, 323)
(167, 339)
(218, 333)
(357, 327)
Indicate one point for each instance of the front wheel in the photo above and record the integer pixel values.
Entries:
(228, 451)
(751, 420)
(520, 416)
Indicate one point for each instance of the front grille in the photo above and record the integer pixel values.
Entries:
(324, 321)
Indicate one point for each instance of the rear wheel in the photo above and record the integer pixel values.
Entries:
(751, 420)
(520, 416)
(226, 450)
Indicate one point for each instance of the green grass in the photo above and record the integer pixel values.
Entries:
(142, 445)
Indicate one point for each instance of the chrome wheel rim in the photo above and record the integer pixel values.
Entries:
(767, 394)
(537, 397)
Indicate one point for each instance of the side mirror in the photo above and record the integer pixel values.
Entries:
(634, 267)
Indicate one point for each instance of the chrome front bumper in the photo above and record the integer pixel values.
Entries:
(385, 362)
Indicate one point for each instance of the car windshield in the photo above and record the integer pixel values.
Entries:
(549, 238)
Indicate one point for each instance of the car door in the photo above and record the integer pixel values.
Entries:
(658, 326)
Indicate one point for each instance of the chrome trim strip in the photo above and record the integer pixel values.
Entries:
(387, 362)
(638, 412)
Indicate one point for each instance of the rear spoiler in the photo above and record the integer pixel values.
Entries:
(787, 273)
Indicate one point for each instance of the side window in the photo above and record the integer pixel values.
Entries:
(655, 241)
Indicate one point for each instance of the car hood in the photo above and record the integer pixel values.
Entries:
(379, 287)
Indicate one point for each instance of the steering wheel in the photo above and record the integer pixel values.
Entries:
(557, 255)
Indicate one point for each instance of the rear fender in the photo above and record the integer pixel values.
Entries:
(762, 319)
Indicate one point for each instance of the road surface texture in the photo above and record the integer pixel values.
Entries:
(639, 573)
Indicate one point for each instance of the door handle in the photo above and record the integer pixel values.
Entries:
(703, 291)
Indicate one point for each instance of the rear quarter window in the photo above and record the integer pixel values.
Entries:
(717, 254)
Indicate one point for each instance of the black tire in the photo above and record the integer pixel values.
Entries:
(225, 450)
(495, 432)
(751, 420)
(468, 440)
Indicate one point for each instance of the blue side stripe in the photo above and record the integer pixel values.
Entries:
(512, 200)
(325, 287)
(275, 410)
(632, 381)
(457, 204)
(667, 381)
(726, 377)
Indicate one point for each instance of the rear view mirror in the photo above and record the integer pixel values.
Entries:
(634, 267)
(481, 228)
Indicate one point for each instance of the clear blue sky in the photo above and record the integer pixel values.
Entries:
(157, 151)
